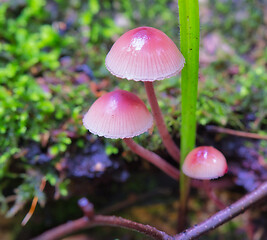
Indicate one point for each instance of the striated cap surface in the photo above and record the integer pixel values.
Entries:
(144, 54)
(118, 114)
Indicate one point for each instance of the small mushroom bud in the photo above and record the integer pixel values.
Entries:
(205, 163)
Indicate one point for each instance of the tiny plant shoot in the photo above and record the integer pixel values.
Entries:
(189, 38)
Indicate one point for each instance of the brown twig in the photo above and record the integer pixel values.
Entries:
(91, 220)
(87, 208)
(34, 203)
(100, 220)
(235, 132)
(225, 215)
(211, 223)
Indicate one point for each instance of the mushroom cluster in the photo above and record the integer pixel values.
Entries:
(146, 54)
(142, 54)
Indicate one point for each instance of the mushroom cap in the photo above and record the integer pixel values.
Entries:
(118, 114)
(205, 163)
(144, 54)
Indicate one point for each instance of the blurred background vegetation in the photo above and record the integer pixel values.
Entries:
(52, 68)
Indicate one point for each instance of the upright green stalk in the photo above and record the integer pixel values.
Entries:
(189, 32)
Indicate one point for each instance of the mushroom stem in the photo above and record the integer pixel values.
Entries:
(152, 158)
(171, 147)
(211, 194)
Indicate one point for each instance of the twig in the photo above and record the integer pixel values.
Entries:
(235, 132)
(211, 223)
(100, 220)
(91, 220)
(225, 215)
(87, 208)
(34, 203)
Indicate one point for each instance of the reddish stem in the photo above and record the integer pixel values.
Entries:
(210, 192)
(223, 183)
(236, 133)
(152, 158)
(211, 223)
(171, 147)
(100, 220)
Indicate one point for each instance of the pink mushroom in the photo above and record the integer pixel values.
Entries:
(121, 114)
(147, 54)
(205, 163)
(118, 114)
(144, 54)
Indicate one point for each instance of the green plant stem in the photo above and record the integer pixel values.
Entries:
(189, 32)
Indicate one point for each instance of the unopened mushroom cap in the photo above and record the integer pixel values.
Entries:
(144, 54)
(118, 114)
(205, 163)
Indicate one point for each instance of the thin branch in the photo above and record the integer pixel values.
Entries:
(225, 215)
(91, 220)
(100, 220)
(235, 132)
(34, 203)
(87, 208)
(211, 223)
